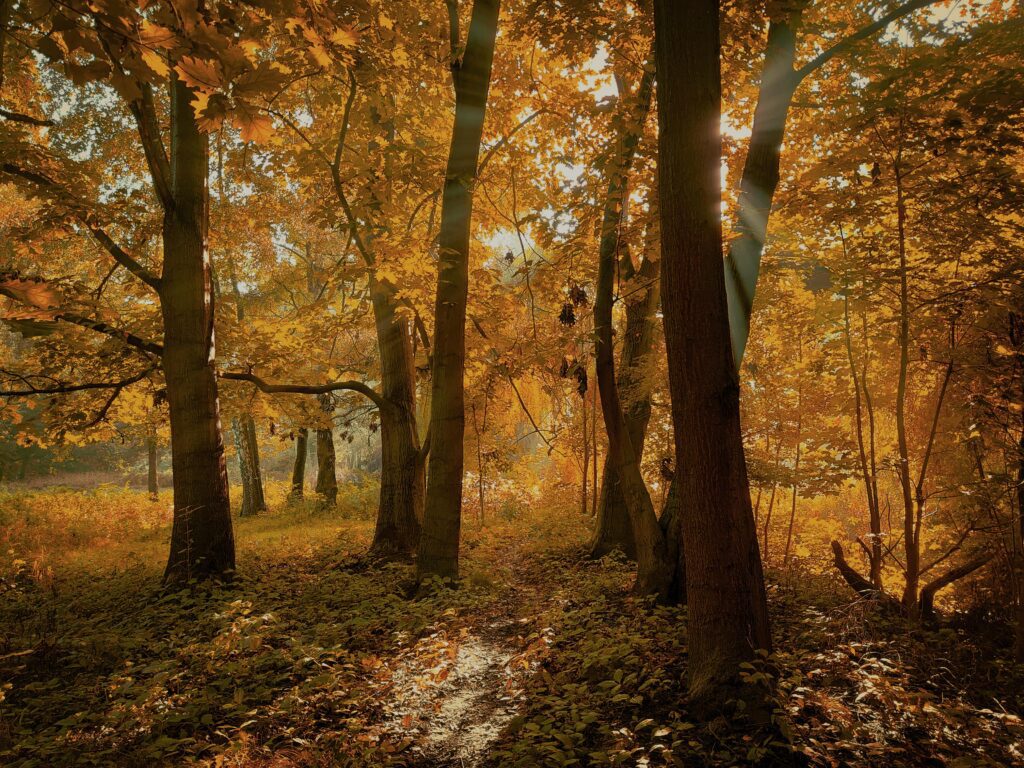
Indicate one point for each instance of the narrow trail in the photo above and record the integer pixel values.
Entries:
(449, 695)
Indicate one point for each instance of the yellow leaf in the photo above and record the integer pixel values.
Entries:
(199, 73)
(253, 125)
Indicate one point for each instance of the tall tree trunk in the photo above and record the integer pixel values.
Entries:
(614, 530)
(584, 507)
(471, 75)
(874, 514)
(202, 540)
(400, 505)
(152, 477)
(1017, 535)
(653, 573)
(760, 177)
(796, 464)
(326, 478)
(911, 545)
(728, 613)
(247, 448)
(299, 465)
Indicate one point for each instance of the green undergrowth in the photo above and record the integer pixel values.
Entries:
(101, 667)
(289, 664)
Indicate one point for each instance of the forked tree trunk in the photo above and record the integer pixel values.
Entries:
(653, 572)
(202, 541)
(727, 607)
(439, 543)
(299, 465)
(400, 506)
(614, 530)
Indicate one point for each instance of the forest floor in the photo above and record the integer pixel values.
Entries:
(314, 657)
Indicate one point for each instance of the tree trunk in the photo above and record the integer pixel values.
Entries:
(326, 479)
(400, 506)
(911, 544)
(760, 178)
(727, 607)
(623, 458)
(614, 530)
(1018, 549)
(796, 468)
(584, 506)
(299, 466)
(439, 543)
(867, 475)
(202, 540)
(153, 481)
(244, 431)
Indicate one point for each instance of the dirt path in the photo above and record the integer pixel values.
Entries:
(450, 695)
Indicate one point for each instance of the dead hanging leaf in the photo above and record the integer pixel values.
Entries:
(33, 292)
(253, 125)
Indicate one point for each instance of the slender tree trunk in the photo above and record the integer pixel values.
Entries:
(760, 177)
(653, 572)
(584, 507)
(400, 507)
(796, 469)
(153, 480)
(253, 501)
(911, 544)
(771, 507)
(614, 530)
(727, 607)
(202, 540)
(299, 465)
(874, 516)
(439, 543)
(594, 457)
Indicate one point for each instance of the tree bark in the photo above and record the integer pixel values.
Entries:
(926, 605)
(400, 506)
(299, 465)
(614, 530)
(202, 540)
(253, 500)
(153, 480)
(653, 571)
(727, 607)
(760, 177)
(471, 75)
(326, 478)
(867, 474)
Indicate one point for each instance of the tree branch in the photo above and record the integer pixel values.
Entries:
(66, 388)
(100, 327)
(18, 117)
(927, 601)
(98, 233)
(305, 389)
(863, 33)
